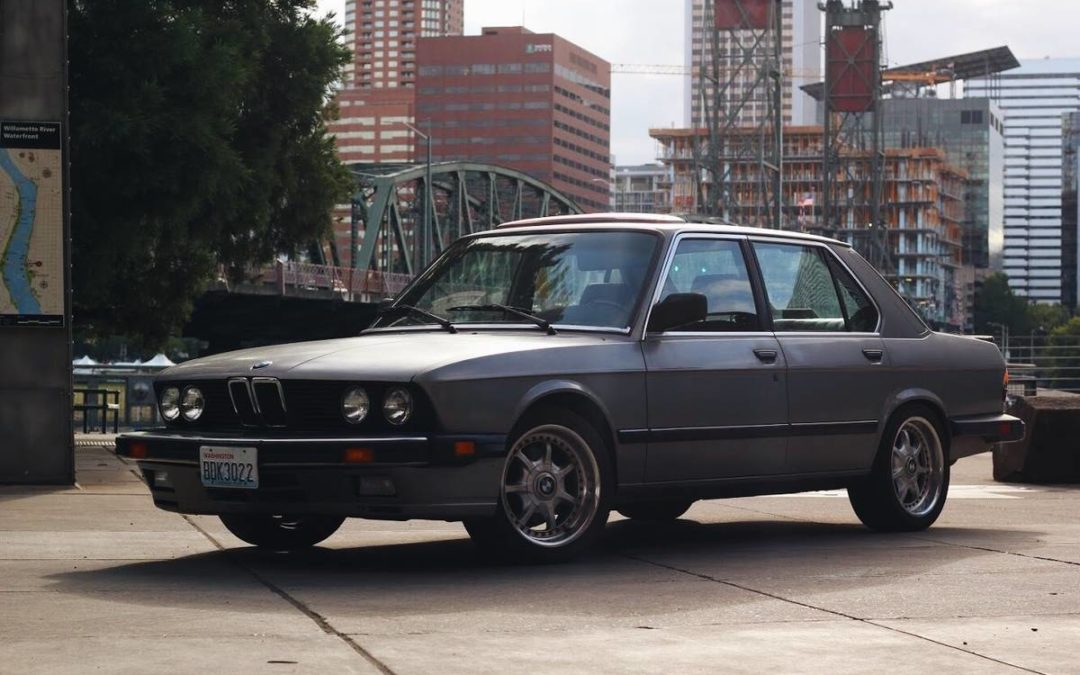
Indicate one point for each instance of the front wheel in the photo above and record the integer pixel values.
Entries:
(907, 487)
(554, 491)
(281, 533)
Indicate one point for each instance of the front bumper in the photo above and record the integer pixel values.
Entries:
(972, 435)
(413, 476)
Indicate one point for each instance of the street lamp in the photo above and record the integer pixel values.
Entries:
(429, 201)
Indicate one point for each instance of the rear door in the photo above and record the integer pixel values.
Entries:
(837, 364)
(717, 404)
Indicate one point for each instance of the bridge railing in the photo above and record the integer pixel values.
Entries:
(299, 278)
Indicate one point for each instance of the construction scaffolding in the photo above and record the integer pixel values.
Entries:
(921, 218)
(852, 177)
(740, 91)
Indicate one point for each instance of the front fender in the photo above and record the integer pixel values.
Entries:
(554, 387)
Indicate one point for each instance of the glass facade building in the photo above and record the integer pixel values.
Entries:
(1034, 98)
(971, 133)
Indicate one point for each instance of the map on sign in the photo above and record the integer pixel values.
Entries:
(31, 224)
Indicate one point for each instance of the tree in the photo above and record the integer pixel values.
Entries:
(198, 139)
(997, 305)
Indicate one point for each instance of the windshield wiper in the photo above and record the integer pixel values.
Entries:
(410, 309)
(520, 313)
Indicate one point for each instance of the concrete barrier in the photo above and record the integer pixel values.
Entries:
(1050, 451)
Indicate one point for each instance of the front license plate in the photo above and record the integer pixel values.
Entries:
(225, 467)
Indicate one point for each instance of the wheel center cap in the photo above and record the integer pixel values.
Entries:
(545, 484)
(911, 466)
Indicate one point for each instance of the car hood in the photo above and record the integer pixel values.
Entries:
(398, 356)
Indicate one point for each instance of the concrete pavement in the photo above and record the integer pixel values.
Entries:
(93, 578)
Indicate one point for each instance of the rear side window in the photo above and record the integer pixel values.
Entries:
(807, 292)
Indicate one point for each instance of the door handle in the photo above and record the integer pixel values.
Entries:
(766, 355)
(873, 354)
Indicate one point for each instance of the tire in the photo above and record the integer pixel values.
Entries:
(660, 510)
(909, 482)
(554, 491)
(281, 533)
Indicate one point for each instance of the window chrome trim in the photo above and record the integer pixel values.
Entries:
(828, 251)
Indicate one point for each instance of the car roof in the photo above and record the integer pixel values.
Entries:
(653, 222)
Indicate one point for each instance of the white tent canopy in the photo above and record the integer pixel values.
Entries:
(84, 361)
(159, 361)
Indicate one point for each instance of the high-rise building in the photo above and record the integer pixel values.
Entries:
(800, 50)
(531, 102)
(971, 133)
(1033, 99)
(642, 188)
(377, 99)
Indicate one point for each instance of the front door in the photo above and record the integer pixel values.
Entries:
(717, 405)
(837, 363)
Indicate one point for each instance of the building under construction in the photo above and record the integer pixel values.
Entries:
(922, 210)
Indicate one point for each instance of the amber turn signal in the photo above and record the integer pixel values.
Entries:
(464, 449)
(359, 456)
(137, 450)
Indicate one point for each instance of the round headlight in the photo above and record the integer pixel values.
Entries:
(397, 406)
(355, 405)
(193, 404)
(170, 403)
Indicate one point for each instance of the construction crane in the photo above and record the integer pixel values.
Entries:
(672, 69)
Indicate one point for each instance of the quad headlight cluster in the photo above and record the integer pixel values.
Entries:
(189, 404)
(397, 406)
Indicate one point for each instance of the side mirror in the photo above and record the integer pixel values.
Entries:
(384, 304)
(677, 311)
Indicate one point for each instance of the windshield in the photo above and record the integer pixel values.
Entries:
(568, 278)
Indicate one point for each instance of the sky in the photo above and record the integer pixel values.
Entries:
(652, 32)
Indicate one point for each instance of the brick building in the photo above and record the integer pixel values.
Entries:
(531, 102)
(379, 93)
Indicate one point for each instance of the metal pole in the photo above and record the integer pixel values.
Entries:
(429, 202)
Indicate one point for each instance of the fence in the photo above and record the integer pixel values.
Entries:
(1042, 362)
(352, 284)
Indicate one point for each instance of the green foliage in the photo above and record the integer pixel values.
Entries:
(1045, 318)
(996, 305)
(198, 139)
(1071, 328)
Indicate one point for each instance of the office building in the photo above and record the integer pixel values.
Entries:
(1033, 99)
(800, 50)
(531, 102)
(971, 133)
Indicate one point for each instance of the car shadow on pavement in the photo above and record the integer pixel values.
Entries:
(407, 579)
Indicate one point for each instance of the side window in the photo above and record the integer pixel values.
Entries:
(716, 269)
(861, 314)
(800, 289)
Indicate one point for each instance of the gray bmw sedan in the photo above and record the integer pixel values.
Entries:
(539, 375)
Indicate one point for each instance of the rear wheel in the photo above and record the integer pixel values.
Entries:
(554, 491)
(907, 487)
(281, 533)
(667, 509)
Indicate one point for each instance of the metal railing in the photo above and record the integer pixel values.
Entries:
(1040, 363)
(298, 278)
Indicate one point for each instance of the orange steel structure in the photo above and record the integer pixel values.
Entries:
(922, 207)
